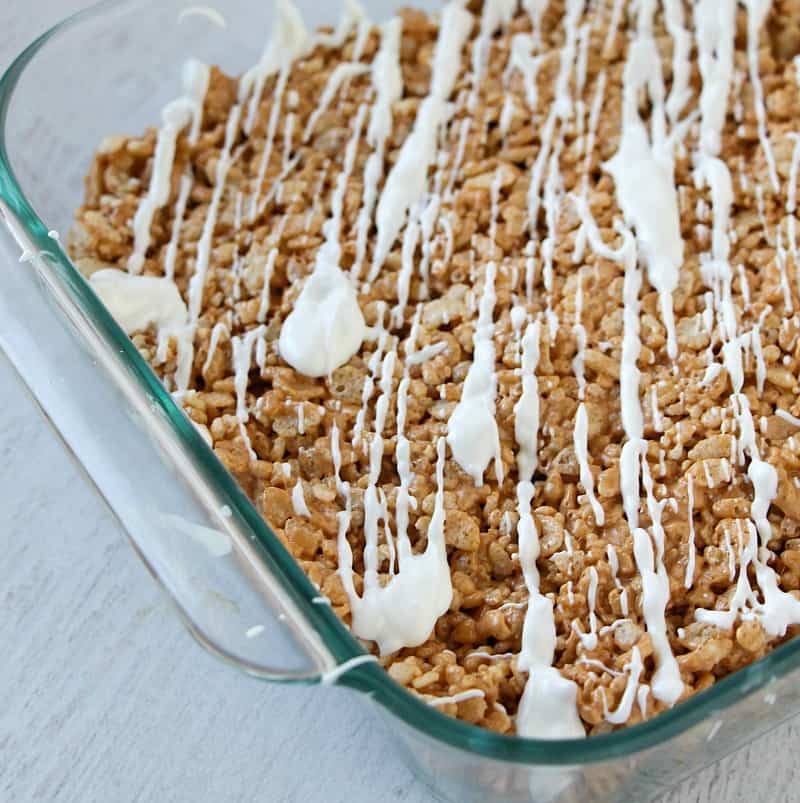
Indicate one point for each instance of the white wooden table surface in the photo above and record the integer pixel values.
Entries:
(103, 695)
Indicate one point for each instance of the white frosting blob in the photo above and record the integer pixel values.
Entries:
(548, 708)
(136, 302)
(326, 327)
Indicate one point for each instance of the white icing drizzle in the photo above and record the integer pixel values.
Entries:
(269, 268)
(469, 694)
(791, 190)
(373, 508)
(288, 133)
(520, 59)
(352, 17)
(242, 352)
(643, 170)
(788, 417)
(535, 10)
(174, 118)
(691, 555)
(658, 421)
(715, 28)
(548, 708)
(589, 640)
(593, 662)
(220, 328)
(615, 625)
(623, 711)
(299, 500)
(580, 443)
(427, 353)
(387, 81)
(526, 410)
(756, 13)
(613, 563)
(171, 254)
(198, 280)
(613, 25)
(780, 258)
(374, 365)
(667, 685)
(641, 699)
(407, 263)
(329, 678)
(778, 609)
(490, 656)
(472, 431)
(289, 41)
(681, 47)
(403, 612)
(594, 119)
(326, 327)
(580, 336)
(407, 179)
(495, 14)
(340, 74)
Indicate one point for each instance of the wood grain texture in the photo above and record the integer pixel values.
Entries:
(103, 695)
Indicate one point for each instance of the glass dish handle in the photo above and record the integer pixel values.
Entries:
(191, 529)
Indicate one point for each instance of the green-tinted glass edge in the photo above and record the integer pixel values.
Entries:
(368, 678)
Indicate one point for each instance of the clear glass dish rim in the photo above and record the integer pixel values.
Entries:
(368, 677)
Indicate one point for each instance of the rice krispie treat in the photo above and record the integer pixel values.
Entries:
(493, 314)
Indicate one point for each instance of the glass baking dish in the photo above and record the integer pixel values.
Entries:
(111, 69)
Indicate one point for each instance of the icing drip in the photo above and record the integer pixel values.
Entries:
(369, 381)
(387, 81)
(535, 10)
(756, 13)
(613, 25)
(526, 411)
(681, 47)
(589, 640)
(580, 336)
(496, 14)
(548, 708)
(326, 327)
(472, 429)
(242, 348)
(779, 609)
(690, 561)
(341, 73)
(666, 682)
(289, 41)
(643, 171)
(613, 563)
(198, 280)
(353, 17)
(623, 711)
(715, 31)
(407, 180)
(175, 117)
(528, 66)
(580, 442)
(403, 612)
(219, 329)
(269, 268)
(633, 468)
(180, 211)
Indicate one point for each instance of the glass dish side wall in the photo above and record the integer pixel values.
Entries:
(136, 445)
